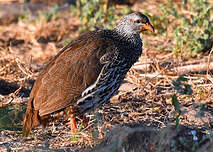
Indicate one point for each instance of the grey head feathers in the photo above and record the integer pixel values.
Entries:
(133, 24)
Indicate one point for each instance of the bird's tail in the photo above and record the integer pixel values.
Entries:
(31, 119)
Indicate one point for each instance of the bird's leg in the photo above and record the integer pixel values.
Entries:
(72, 123)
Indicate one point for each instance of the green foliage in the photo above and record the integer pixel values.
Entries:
(160, 23)
(176, 104)
(95, 13)
(74, 138)
(43, 16)
(192, 25)
(195, 33)
(50, 14)
(73, 9)
(181, 88)
(11, 117)
(25, 15)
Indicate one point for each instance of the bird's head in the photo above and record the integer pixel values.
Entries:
(134, 23)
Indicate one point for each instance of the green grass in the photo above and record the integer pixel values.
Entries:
(191, 23)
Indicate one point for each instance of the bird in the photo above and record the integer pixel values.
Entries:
(85, 73)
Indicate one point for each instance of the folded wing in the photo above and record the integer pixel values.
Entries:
(70, 72)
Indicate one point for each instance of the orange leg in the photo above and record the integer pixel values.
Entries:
(73, 124)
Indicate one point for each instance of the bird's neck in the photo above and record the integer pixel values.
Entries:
(132, 38)
(130, 44)
(127, 35)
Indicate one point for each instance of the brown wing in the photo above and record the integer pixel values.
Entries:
(69, 73)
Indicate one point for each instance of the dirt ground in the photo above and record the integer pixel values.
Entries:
(141, 117)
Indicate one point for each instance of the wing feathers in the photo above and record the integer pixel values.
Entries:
(70, 72)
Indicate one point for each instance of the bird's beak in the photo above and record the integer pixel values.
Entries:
(148, 27)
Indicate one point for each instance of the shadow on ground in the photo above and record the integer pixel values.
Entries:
(8, 87)
(147, 139)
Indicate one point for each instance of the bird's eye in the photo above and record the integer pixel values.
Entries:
(138, 21)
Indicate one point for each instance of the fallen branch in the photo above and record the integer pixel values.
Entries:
(142, 67)
(180, 70)
(193, 68)
(157, 75)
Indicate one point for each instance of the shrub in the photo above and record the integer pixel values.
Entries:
(95, 13)
(192, 25)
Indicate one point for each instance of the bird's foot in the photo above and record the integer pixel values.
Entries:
(72, 124)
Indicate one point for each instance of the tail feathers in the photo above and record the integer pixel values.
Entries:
(31, 120)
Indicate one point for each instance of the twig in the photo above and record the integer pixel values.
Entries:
(156, 75)
(12, 101)
(205, 85)
(154, 78)
(24, 70)
(91, 123)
